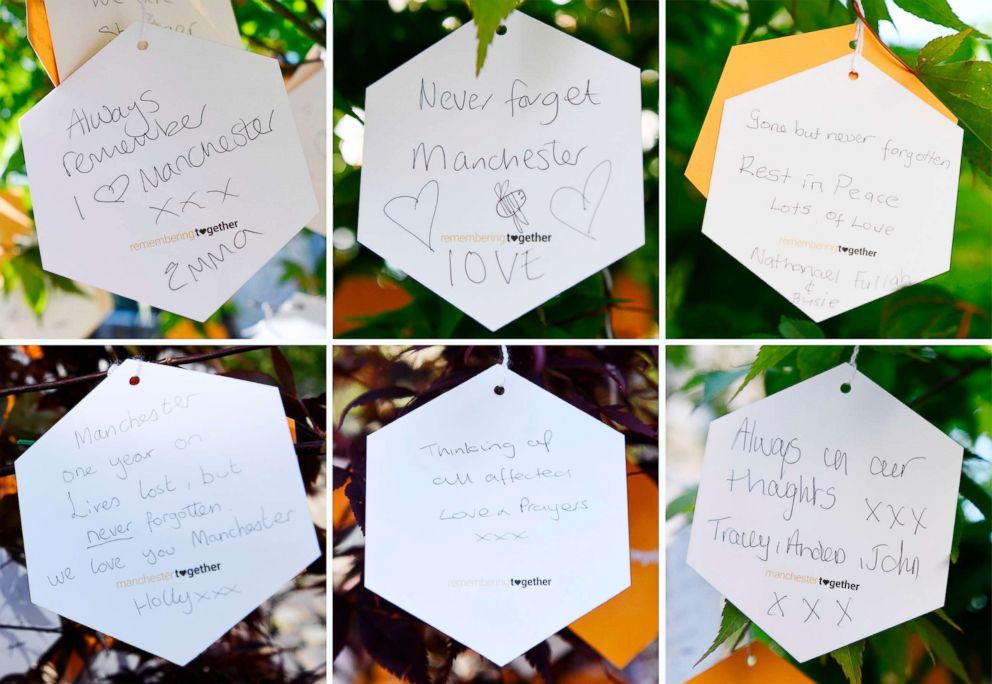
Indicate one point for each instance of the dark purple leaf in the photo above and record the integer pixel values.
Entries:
(629, 421)
(375, 395)
(393, 641)
(284, 372)
(540, 659)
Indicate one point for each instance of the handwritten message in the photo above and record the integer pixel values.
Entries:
(153, 513)
(499, 191)
(820, 191)
(80, 28)
(308, 99)
(479, 501)
(825, 512)
(172, 184)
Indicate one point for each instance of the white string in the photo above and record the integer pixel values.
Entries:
(854, 363)
(859, 38)
(505, 362)
(141, 29)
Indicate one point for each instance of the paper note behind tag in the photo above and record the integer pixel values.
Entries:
(163, 512)
(67, 315)
(308, 98)
(172, 182)
(79, 29)
(757, 64)
(826, 195)
(21, 648)
(501, 190)
(826, 517)
(482, 509)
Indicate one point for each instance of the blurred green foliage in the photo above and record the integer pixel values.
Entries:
(371, 39)
(712, 295)
(950, 387)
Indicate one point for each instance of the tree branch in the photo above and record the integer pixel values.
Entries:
(171, 361)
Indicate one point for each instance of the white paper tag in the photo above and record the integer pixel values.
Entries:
(80, 29)
(500, 191)
(162, 513)
(21, 648)
(67, 315)
(482, 511)
(826, 517)
(308, 99)
(835, 191)
(169, 175)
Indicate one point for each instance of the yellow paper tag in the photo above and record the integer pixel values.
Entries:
(636, 608)
(753, 65)
(40, 37)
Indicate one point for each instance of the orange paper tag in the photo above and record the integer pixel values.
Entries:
(753, 65)
(41, 38)
(768, 668)
(636, 608)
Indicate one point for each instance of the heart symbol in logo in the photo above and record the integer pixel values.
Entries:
(202, 231)
(577, 208)
(416, 215)
(516, 581)
(514, 238)
(114, 191)
(182, 573)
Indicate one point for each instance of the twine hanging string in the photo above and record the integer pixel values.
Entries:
(853, 363)
(142, 43)
(505, 363)
(860, 25)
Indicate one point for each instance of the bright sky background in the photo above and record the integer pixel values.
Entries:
(911, 31)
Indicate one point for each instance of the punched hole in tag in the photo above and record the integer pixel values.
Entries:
(501, 31)
(142, 44)
(499, 390)
(845, 388)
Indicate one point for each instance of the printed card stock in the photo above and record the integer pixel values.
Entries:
(497, 518)
(500, 191)
(80, 29)
(67, 315)
(172, 182)
(826, 516)
(752, 65)
(825, 195)
(163, 512)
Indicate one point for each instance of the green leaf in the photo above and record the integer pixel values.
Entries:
(940, 50)
(767, 357)
(488, 14)
(935, 11)
(966, 89)
(959, 524)
(849, 657)
(875, 12)
(976, 494)
(714, 383)
(683, 504)
(938, 646)
(891, 648)
(732, 623)
(814, 359)
(625, 11)
(798, 329)
(759, 13)
(947, 618)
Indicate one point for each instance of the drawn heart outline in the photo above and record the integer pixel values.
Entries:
(109, 191)
(570, 206)
(403, 205)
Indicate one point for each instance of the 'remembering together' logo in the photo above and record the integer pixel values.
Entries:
(533, 582)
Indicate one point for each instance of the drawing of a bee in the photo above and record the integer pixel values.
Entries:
(510, 204)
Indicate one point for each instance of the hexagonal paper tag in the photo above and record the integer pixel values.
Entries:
(497, 518)
(827, 195)
(826, 516)
(163, 512)
(169, 174)
(500, 191)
